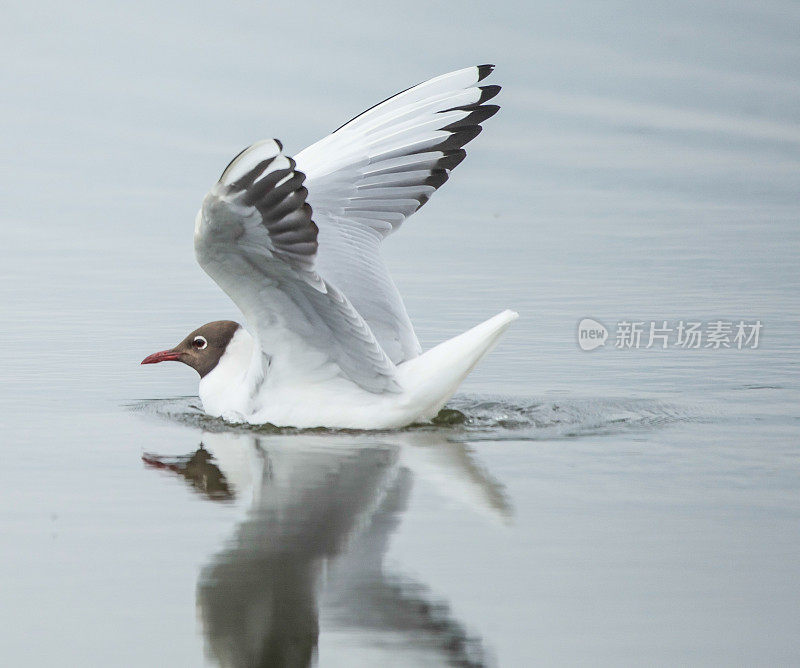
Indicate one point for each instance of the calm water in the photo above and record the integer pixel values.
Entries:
(614, 507)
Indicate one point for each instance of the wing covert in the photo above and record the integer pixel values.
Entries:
(256, 238)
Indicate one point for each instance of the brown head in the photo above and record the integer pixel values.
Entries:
(202, 349)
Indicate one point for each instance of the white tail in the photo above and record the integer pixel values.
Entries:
(433, 377)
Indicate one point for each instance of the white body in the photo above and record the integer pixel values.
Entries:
(238, 389)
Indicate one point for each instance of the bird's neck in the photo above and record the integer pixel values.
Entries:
(220, 386)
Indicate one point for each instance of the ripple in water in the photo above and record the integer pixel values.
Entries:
(478, 417)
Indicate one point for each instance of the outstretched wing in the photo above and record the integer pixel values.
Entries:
(372, 173)
(255, 237)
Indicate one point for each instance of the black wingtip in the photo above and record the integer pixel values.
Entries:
(459, 138)
(487, 93)
(477, 116)
(249, 178)
(452, 159)
(279, 143)
(484, 71)
(437, 178)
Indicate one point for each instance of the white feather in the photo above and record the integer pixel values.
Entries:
(330, 342)
(366, 178)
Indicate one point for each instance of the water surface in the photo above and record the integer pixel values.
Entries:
(618, 507)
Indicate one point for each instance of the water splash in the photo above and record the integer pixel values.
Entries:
(473, 416)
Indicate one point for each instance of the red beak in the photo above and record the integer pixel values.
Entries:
(163, 356)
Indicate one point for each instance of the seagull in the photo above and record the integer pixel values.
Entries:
(296, 244)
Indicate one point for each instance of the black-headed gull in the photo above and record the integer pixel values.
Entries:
(296, 245)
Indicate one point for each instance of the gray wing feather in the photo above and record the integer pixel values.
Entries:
(375, 171)
(256, 238)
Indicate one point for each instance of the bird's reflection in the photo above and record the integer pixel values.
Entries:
(199, 470)
(310, 549)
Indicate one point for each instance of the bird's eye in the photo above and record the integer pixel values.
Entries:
(199, 342)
